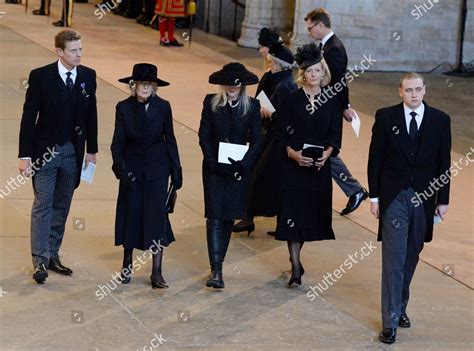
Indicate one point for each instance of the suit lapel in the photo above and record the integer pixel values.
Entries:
(399, 129)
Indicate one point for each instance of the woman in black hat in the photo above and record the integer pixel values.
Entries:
(267, 38)
(145, 155)
(229, 116)
(309, 136)
(264, 199)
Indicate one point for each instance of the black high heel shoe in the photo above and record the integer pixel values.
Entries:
(296, 280)
(249, 228)
(158, 285)
(215, 281)
(125, 279)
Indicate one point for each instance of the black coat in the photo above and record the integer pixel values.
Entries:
(145, 155)
(306, 194)
(390, 168)
(145, 152)
(335, 56)
(265, 192)
(225, 196)
(42, 125)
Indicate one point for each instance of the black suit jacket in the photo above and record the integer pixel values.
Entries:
(148, 151)
(335, 56)
(42, 122)
(390, 169)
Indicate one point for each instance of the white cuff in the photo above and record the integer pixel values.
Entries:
(374, 199)
(25, 158)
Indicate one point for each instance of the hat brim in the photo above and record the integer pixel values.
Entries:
(159, 82)
(224, 78)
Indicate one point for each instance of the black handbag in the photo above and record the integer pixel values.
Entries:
(313, 152)
(171, 199)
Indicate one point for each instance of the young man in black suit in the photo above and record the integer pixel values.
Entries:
(409, 177)
(318, 23)
(59, 117)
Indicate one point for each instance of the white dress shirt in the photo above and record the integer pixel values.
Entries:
(420, 111)
(63, 70)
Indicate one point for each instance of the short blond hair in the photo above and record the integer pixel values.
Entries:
(411, 75)
(300, 80)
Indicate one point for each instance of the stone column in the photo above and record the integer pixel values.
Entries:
(300, 33)
(275, 14)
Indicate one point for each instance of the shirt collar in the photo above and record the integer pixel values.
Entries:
(326, 38)
(420, 110)
(63, 70)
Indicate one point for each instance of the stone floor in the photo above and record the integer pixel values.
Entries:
(256, 311)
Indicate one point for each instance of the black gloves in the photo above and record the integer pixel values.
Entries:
(177, 177)
(237, 166)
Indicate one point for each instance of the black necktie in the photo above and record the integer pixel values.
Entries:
(69, 82)
(413, 126)
(320, 45)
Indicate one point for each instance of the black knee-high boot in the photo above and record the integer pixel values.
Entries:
(218, 237)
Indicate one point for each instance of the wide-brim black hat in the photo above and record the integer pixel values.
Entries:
(234, 74)
(268, 37)
(282, 53)
(145, 72)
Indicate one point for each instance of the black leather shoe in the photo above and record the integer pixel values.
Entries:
(59, 23)
(271, 233)
(244, 227)
(215, 281)
(39, 12)
(404, 321)
(124, 279)
(55, 265)
(354, 201)
(388, 335)
(40, 274)
(174, 42)
(155, 284)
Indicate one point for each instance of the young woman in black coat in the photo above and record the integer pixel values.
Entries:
(229, 116)
(309, 131)
(145, 155)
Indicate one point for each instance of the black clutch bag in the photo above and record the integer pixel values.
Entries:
(171, 199)
(314, 152)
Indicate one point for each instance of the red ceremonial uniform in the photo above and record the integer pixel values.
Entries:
(170, 8)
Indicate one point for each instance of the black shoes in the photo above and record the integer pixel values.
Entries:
(244, 226)
(388, 335)
(174, 42)
(39, 12)
(354, 201)
(55, 265)
(125, 279)
(404, 321)
(158, 284)
(215, 281)
(59, 23)
(40, 274)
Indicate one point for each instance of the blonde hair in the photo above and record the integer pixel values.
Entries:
(132, 84)
(220, 100)
(300, 80)
(411, 75)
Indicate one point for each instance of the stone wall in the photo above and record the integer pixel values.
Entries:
(399, 34)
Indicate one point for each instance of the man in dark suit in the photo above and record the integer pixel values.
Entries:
(318, 23)
(59, 117)
(44, 8)
(409, 177)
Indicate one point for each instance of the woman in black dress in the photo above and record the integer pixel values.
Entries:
(229, 116)
(145, 155)
(309, 136)
(265, 189)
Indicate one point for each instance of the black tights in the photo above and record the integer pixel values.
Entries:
(156, 266)
(294, 248)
